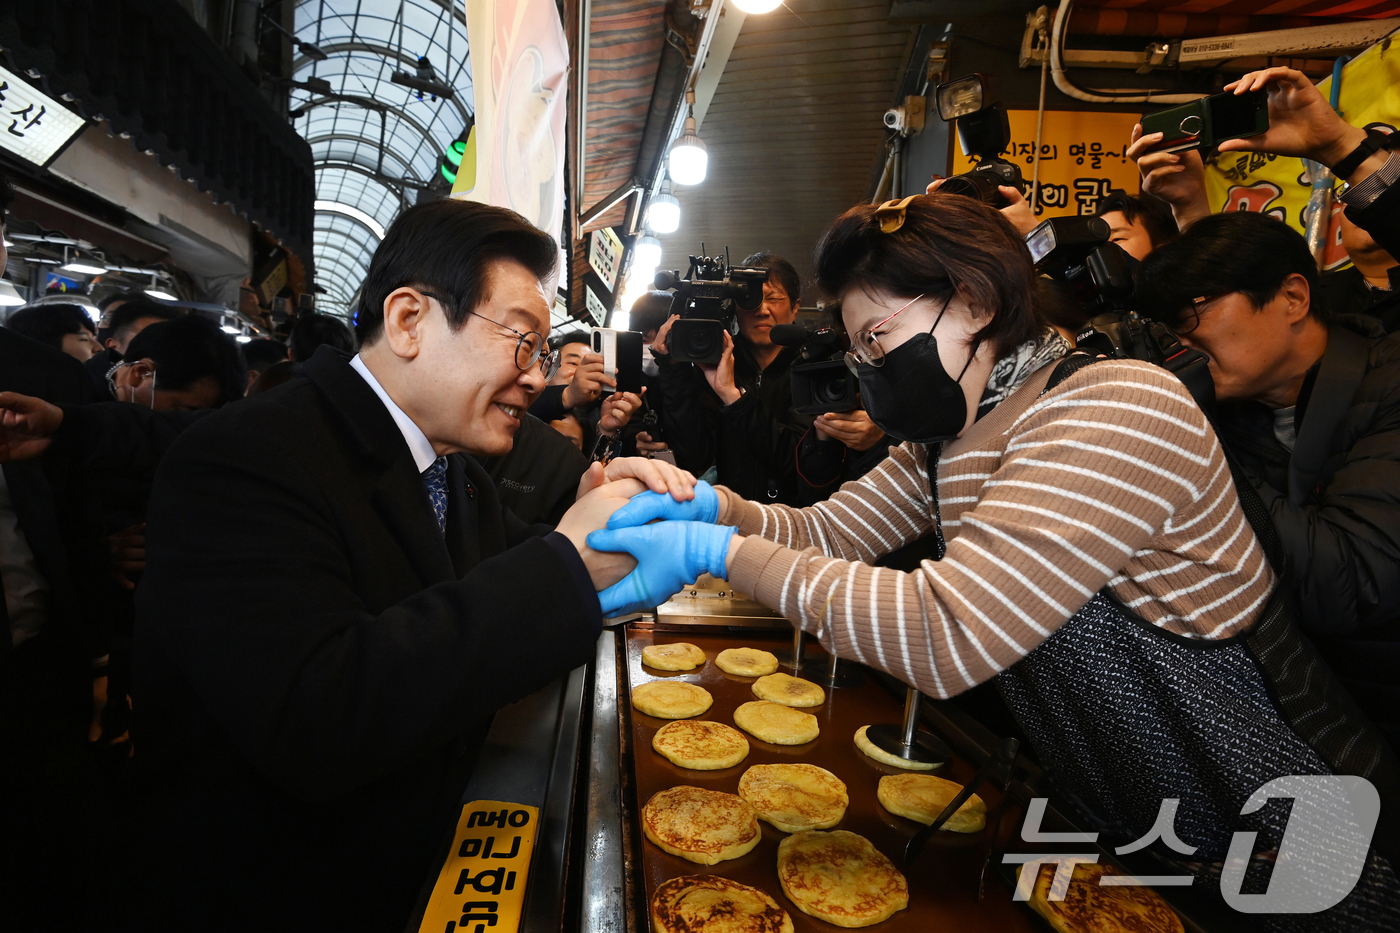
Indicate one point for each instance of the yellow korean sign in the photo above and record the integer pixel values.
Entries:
(482, 883)
(1083, 155)
(1251, 181)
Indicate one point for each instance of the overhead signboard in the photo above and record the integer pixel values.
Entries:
(33, 125)
(605, 256)
(520, 81)
(1083, 155)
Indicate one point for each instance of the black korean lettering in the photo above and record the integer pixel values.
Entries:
(519, 818)
(487, 881)
(469, 848)
(481, 913)
(514, 851)
(1076, 150)
(487, 819)
(4, 86)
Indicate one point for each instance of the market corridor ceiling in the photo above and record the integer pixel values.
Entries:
(375, 142)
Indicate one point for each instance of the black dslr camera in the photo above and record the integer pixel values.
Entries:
(983, 132)
(821, 382)
(706, 299)
(1076, 251)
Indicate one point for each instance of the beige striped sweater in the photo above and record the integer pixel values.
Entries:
(1113, 477)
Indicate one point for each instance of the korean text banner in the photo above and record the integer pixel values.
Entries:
(1250, 181)
(520, 68)
(1083, 155)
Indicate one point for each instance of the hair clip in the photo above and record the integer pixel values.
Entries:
(891, 214)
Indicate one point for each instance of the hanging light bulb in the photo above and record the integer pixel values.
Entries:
(689, 157)
(664, 211)
(647, 251)
(758, 6)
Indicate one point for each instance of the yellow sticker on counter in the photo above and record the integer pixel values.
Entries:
(482, 884)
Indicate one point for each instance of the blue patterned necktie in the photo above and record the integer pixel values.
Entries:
(435, 479)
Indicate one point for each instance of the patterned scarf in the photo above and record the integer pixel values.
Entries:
(1019, 365)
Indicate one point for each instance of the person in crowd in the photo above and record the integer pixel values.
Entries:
(310, 703)
(571, 427)
(260, 355)
(576, 383)
(538, 479)
(645, 435)
(1371, 285)
(1091, 545)
(737, 414)
(1138, 223)
(65, 327)
(53, 656)
(181, 365)
(1307, 392)
(311, 331)
(123, 317)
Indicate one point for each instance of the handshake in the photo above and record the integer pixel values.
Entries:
(656, 541)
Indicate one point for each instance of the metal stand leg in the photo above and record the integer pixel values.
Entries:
(795, 657)
(906, 740)
(839, 674)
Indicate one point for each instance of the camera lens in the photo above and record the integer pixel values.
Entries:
(832, 389)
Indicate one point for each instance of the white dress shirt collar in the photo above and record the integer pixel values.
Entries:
(418, 443)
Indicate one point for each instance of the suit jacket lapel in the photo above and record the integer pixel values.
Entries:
(397, 492)
(1343, 366)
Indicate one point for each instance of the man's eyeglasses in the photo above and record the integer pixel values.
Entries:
(529, 349)
(865, 347)
(1191, 315)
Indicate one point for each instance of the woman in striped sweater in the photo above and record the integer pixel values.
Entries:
(1094, 559)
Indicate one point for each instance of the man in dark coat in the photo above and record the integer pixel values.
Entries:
(737, 415)
(335, 602)
(1309, 402)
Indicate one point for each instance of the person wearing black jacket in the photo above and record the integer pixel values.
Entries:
(335, 602)
(1309, 405)
(1371, 285)
(737, 415)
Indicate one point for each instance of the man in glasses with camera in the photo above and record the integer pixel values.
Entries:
(1308, 396)
(336, 604)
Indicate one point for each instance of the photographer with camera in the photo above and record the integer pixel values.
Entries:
(736, 414)
(1309, 398)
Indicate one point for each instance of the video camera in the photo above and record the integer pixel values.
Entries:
(983, 132)
(1076, 251)
(821, 383)
(706, 299)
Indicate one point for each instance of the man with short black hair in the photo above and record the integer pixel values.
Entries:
(312, 331)
(1309, 405)
(260, 355)
(186, 364)
(335, 602)
(1138, 223)
(737, 415)
(123, 317)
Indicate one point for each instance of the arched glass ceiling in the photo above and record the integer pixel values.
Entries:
(375, 143)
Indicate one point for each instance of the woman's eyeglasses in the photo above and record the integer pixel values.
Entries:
(865, 347)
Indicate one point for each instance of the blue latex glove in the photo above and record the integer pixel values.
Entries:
(670, 557)
(649, 506)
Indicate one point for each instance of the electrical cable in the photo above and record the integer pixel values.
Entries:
(1099, 95)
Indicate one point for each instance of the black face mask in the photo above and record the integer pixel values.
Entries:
(912, 397)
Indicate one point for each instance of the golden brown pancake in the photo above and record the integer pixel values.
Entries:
(871, 750)
(701, 745)
(841, 878)
(680, 656)
(1091, 908)
(746, 662)
(711, 904)
(921, 797)
(773, 722)
(671, 699)
(700, 825)
(789, 690)
(794, 797)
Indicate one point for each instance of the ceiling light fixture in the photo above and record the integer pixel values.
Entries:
(160, 294)
(758, 6)
(689, 155)
(76, 264)
(647, 251)
(230, 330)
(664, 211)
